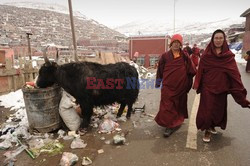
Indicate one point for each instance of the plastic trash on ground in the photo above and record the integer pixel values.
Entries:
(111, 116)
(11, 132)
(77, 143)
(36, 143)
(60, 133)
(73, 134)
(11, 155)
(108, 126)
(52, 147)
(107, 142)
(86, 161)
(119, 140)
(134, 124)
(26, 149)
(147, 132)
(68, 159)
(100, 151)
(6, 144)
(68, 137)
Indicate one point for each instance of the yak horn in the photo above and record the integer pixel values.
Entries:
(57, 55)
(45, 55)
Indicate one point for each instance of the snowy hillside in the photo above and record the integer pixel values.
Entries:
(183, 27)
(152, 26)
(45, 6)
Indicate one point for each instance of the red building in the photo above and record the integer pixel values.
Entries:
(146, 50)
(6, 53)
(246, 39)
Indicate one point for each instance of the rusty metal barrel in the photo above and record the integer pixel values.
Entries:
(42, 107)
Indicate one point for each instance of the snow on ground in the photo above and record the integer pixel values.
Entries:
(238, 57)
(15, 101)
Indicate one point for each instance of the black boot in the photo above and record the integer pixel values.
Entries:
(170, 131)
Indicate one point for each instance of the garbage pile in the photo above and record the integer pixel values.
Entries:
(15, 136)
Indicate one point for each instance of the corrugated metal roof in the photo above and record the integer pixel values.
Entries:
(246, 13)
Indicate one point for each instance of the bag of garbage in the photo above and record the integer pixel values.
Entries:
(68, 159)
(108, 125)
(68, 113)
(119, 140)
(77, 143)
(86, 161)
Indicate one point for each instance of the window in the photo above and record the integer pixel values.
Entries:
(140, 61)
(153, 59)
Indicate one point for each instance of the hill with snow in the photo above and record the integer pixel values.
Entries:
(49, 23)
(146, 27)
(47, 6)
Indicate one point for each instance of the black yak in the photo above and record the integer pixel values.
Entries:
(93, 84)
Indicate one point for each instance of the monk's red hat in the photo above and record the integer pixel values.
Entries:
(177, 37)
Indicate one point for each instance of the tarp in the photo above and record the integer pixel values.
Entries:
(237, 46)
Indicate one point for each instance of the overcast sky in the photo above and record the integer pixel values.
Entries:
(117, 12)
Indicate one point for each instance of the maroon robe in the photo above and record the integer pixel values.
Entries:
(176, 75)
(195, 56)
(217, 76)
(195, 59)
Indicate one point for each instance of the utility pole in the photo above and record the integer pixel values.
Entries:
(72, 29)
(29, 48)
(174, 16)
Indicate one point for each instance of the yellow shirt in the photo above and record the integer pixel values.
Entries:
(176, 54)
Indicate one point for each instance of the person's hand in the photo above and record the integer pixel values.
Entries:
(157, 85)
(246, 104)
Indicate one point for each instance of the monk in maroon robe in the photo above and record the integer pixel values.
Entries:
(176, 71)
(217, 76)
(195, 55)
(248, 62)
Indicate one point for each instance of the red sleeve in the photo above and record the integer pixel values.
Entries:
(237, 89)
(191, 69)
(198, 77)
(239, 93)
